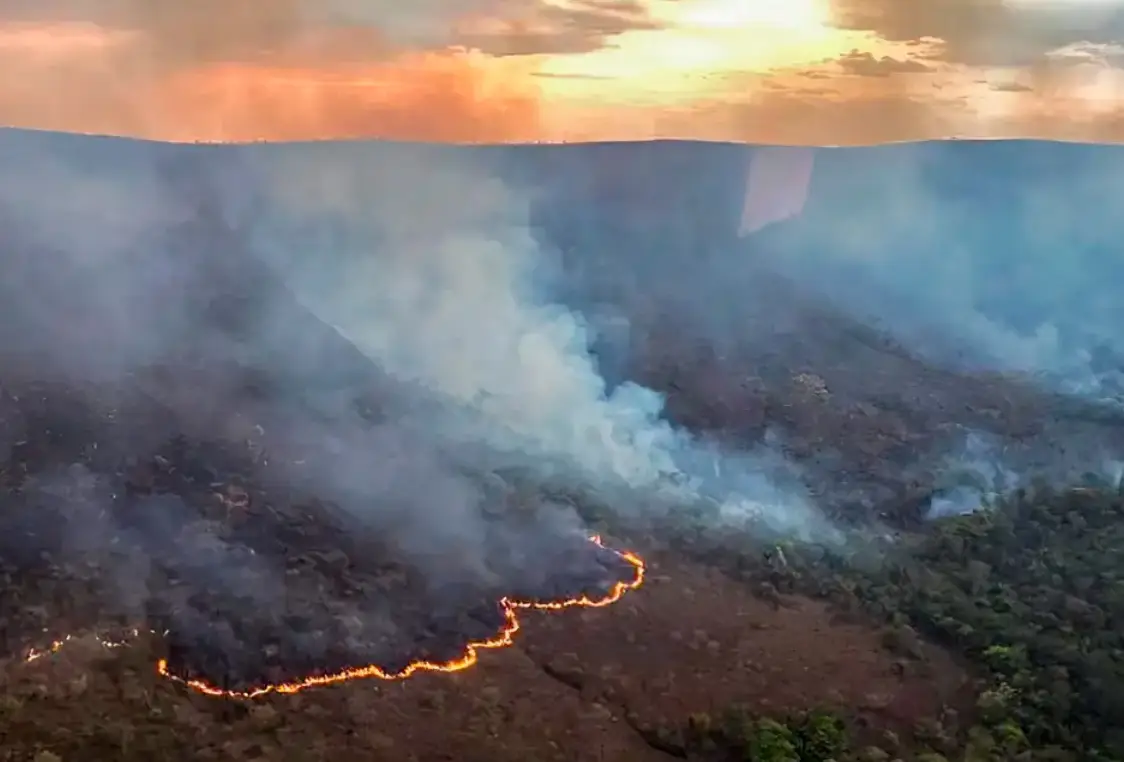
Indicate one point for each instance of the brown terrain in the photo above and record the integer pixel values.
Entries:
(589, 685)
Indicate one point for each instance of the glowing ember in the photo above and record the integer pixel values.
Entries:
(470, 656)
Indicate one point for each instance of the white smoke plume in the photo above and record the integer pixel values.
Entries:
(427, 262)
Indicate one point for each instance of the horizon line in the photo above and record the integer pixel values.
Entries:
(546, 143)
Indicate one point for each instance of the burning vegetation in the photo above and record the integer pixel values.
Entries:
(248, 592)
(180, 670)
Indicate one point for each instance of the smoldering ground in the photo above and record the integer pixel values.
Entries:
(234, 554)
(246, 592)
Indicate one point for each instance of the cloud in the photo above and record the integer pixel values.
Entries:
(298, 69)
(580, 26)
(987, 32)
(1080, 80)
(1104, 54)
(793, 109)
(828, 121)
(865, 64)
(420, 96)
(291, 69)
(210, 30)
(249, 31)
(1010, 87)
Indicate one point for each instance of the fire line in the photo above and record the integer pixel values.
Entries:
(505, 637)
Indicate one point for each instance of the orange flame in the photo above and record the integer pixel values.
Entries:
(505, 637)
(35, 654)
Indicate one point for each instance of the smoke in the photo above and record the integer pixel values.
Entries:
(979, 256)
(229, 369)
(434, 350)
(151, 365)
(984, 469)
(996, 261)
(879, 300)
(426, 260)
(972, 477)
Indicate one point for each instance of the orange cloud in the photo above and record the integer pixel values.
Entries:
(428, 97)
(331, 69)
(82, 78)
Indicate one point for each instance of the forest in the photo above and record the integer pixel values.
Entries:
(1028, 590)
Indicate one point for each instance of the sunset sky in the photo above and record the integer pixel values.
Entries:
(776, 71)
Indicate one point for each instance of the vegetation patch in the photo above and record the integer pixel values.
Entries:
(1029, 590)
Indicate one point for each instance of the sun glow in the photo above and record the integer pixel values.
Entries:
(698, 46)
(742, 14)
(695, 58)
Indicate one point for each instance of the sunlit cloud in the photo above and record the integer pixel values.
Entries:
(790, 71)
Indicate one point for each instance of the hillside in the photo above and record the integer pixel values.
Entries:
(927, 295)
(190, 448)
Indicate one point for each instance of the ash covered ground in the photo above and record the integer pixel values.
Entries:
(303, 413)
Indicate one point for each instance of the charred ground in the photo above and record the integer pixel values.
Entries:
(210, 543)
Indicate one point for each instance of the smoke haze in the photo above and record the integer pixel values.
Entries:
(966, 290)
(155, 292)
(462, 350)
(995, 257)
(435, 273)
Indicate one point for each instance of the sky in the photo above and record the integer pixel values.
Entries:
(806, 72)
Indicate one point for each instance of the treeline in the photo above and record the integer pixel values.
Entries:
(1031, 590)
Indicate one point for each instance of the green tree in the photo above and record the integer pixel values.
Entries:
(820, 736)
(771, 741)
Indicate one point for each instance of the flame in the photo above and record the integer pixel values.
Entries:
(35, 654)
(505, 637)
